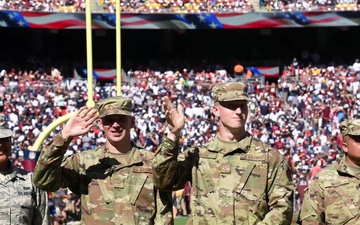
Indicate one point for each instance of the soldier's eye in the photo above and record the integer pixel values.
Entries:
(355, 138)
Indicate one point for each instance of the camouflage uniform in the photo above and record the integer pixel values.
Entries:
(333, 196)
(111, 192)
(21, 202)
(247, 182)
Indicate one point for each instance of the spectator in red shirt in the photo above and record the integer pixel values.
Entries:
(326, 113)
(279, 144)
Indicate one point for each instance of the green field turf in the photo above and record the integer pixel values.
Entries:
(181, 220)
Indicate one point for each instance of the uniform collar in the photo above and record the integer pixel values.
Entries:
(11, 173)
(218, 145)
(133, 158)
(344, 167)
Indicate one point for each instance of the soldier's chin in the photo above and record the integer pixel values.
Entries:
(117, 134)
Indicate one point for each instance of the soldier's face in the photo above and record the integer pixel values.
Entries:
(117, 127)
(351, 147)
(5, 149)
(232, 114)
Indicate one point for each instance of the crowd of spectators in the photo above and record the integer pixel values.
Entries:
(298, 114)
(309, 5)
(43, 6)
(180, 6)
(65, 208)
(131, 6)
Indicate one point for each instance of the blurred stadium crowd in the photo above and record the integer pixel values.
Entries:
(299, 114)
(180, 6)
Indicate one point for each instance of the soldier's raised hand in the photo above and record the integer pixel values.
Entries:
(174, 118)
(80, 123)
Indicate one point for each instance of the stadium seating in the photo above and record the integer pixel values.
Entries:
(44, 6)
(187, 6)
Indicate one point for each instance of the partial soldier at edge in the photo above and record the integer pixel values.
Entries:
(333, 196)
(21, 203)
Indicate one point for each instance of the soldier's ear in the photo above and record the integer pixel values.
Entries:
(100, 124)
(345, 147)
(215, 110)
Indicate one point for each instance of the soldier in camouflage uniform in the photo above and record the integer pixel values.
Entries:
(114, 181)
(21, 202)
(333, 196)
(236, 178)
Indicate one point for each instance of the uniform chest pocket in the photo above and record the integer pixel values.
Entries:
(140, 186)
(99, 201)
(26, 214)
(339, 197)
(206, 176)
(26, 209)
(252, 185)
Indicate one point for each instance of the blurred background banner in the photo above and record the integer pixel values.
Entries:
(266, 71)
(53, 20)
(30, 159)
(99, 74)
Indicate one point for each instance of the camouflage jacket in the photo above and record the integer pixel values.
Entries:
(332, 196)
(111, 193)
(22, 203)
(246, 185)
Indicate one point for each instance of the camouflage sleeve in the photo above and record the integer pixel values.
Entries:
(164, 207)
(280, 192)
(171, 173)
(313, 209)
(52, 171)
